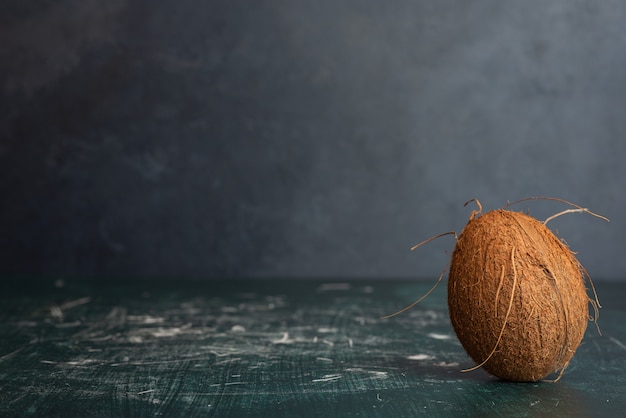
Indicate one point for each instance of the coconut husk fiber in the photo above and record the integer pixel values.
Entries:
(516, 296)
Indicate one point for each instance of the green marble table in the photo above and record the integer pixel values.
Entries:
(274, 348)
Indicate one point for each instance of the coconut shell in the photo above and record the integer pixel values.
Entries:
(516, 296)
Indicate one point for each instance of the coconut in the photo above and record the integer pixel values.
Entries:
(516, 293)
(516, 296)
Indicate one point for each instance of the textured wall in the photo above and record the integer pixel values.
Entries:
(280, 138)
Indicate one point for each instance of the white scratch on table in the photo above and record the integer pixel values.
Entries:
(228, 384)
(230, 360)
(11, 354)
(143, 392)
(74, 303)
(361, 320)
(220, 351)
(56, 312)
(327, 378)
(374, 374)
(437, 336)
(127, 361)
(169, 332)
(326, 330)
(618, 343)
(444, 364)
(419, 357)
(145, 319)
(284, 339)
(84, 362)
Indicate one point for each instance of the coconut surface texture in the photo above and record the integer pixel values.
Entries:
(516, 296)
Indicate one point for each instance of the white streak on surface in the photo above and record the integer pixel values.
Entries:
(444, 364)
(284, 339)
(328, 378)
(74, 303)
(145, 319)
(618, 342)
(419, 357)
(326, 330)
(143, 392)
(238, 328)
(439, 336)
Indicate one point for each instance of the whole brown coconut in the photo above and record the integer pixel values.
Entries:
(516, 296)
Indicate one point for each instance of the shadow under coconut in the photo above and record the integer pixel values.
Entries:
(539, 399)
(441, 388)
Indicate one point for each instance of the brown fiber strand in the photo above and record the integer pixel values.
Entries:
(426, 241)
(443, 272)
(579, 209)
(406, 308)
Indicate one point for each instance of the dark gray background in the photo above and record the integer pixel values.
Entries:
(283, 138)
